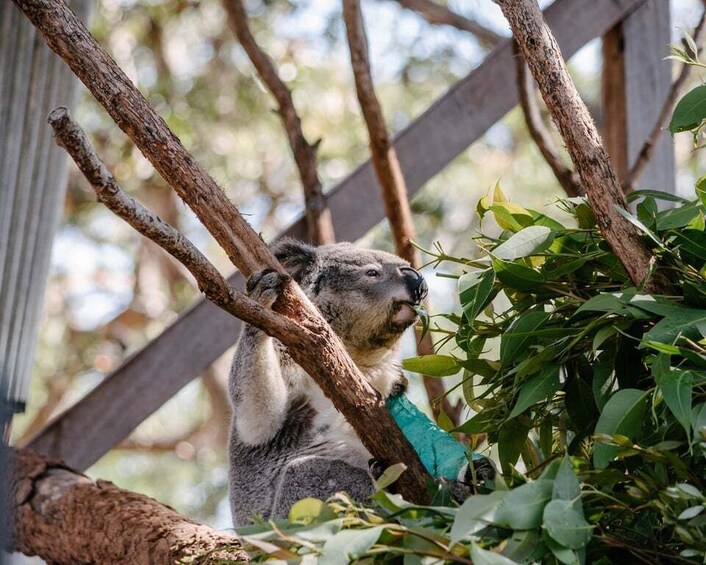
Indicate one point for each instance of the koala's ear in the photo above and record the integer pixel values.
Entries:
(296, 256)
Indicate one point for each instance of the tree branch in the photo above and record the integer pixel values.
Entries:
(571, 116)
(391, 180)
(48, 502)
(330, 367)
(568, 179)
(643, 157)
(436, 14)
(318, 215)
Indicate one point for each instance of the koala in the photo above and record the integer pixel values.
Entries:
(287, 441)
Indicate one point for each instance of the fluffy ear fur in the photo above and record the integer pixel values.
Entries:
(296, 256)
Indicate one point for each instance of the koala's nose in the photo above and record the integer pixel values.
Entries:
(415, 282)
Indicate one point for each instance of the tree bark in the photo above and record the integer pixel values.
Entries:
(318, 216)
(592, 163)
(64, 517)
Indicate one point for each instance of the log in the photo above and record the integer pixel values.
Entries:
(63, 516)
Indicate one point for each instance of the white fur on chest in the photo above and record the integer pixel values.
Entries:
(333, 433)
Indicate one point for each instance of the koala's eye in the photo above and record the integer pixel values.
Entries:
(372, 273)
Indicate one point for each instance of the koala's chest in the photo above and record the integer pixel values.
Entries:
(331, 433)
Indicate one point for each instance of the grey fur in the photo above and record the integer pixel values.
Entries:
(287, 441)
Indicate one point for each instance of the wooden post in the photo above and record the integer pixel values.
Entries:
(636, 81)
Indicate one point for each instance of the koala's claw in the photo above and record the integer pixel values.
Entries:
(482, 472)
(265, 286)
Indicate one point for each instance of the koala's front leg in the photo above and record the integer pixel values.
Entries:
(258, 391)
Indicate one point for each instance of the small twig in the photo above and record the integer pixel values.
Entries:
(318, 215)
(72, 138)
(436, 14)
(391, 180)
(643, 157)
(567, 177)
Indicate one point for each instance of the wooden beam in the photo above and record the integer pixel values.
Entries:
(149, 378)
(636, 81)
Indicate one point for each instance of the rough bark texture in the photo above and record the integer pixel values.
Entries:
(336, 374)
(318, 216)
(391, 180)
(581, 137)
(65, 517)
(568, 179)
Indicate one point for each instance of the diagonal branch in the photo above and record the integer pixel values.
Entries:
(436, 14)
(390, 178)
(571, 116)
(568, 179)
(632, 178)
(318, 216)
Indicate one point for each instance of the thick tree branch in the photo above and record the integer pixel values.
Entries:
(331, 368)
(49, 502)
(643, 157)
(437, 14)
(571, 116)
(568, 179)
(390, 178)
(318, 215)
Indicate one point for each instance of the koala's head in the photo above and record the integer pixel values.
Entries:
(366, 296)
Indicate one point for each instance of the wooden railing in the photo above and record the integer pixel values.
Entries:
(86, 431)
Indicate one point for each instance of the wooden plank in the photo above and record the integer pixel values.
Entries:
(648, 78)
(636, 81)
(150, 377)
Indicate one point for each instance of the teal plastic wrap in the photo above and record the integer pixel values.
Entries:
(441, 455)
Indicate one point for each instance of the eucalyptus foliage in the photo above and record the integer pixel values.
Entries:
(591, 392)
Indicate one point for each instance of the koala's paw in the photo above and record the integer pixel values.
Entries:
(266, 286)
(377, 466)
(482, 471)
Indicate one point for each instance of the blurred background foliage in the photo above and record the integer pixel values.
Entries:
(111, 291)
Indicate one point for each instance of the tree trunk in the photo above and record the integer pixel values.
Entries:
(65, 517)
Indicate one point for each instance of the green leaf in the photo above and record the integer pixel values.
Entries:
(511, 216)
(432, 365)
(306, 510)
(690, 111)
(520, 335)
(698, 421)
(537, 389)
(701, 189)
(692, 242)
(390, 475)
(566, 525)
(475, 290)
(511, 438)
(481, 556)
(475, 513)
(658, 194)
(562, 554)
(522, 545)
(517, 276)
(526, 242)
(566, 483)
(480, 423)
(623, 415)
(681, 321)
(523, 507)
(637, 223)
(676, 388)
(348, 545)
(678, 217)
